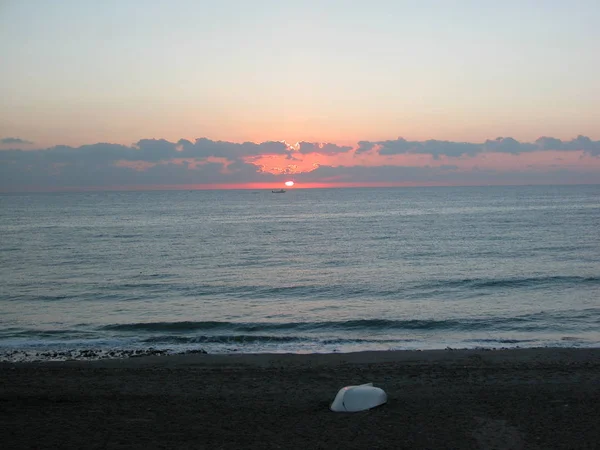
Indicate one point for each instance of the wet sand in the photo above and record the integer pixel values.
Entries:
(447, 399)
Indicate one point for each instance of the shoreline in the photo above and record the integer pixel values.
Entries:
(200, 357)
(529, 398)
(156, 355)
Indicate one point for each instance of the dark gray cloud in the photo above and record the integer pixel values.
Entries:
(14, 141)
(153, 150)
(364, 146)
(323, 149)
(509, 145)
(583, 143)
(25, 170)
(204, 148)
(459, 149)
(431, 147)
(548, 143)
(161, 162)
(103, 164)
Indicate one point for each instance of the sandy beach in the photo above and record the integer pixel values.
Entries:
(465, 399)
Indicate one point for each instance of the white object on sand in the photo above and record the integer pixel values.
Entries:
(358, 398)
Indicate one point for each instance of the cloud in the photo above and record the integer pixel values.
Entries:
(549, 143)
(13, 141)
(508, 145)
(432, 147)
(460, 149)
(583, 143)
(148, 161)
(204, 161)
(323, 149)
(203, 148)
(364, 147)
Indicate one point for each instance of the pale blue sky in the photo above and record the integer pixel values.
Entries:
(80, 71)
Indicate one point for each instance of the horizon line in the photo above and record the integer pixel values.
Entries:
(270, 186)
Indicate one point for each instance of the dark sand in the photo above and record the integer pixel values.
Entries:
(505, 399)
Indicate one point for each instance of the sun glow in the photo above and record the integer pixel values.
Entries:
(289, 183)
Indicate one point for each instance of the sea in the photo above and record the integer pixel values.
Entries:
(94, 275)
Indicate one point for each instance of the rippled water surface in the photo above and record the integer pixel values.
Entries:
(305, 271)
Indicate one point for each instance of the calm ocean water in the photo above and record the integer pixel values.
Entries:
(93, 274)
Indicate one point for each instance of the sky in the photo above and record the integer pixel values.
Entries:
(143, 94)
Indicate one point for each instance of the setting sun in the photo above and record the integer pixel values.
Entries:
(289, 183)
